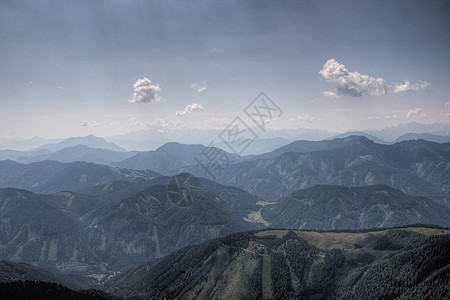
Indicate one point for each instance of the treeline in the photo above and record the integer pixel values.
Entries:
(38, 290)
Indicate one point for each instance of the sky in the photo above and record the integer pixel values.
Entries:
(73, 68)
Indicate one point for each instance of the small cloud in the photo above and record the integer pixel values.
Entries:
(60, 88)
(416, 113)
(447, 105)
(305, 118)
(190, 108)
(199, 87)
(408, 87)
(145, 92)
(330, 94)
(30, 83)
(87, 123)
(352, 83)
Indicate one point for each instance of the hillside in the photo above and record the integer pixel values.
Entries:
(166, 217)
(12, 271)
(337, 207)
(39, 290)
(281, 264)
(36, 232)
(98, 233)
(50, 176)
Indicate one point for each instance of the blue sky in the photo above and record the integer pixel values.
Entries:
(67, 68)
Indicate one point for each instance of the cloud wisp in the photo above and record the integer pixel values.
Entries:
(87, 123)
(200, 88)
(305, 119)
(356, 84)
(416, 113)
(189, 109)
(330, 94)
(145, 92)
(407, 86)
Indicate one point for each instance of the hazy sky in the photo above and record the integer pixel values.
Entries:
(72, 68)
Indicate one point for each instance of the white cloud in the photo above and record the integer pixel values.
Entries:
(87, 123)
(408, 87)
(190, 108)
(30, 83)
(356, 84)
(416, 113)
(145, 92)
(306, 118)
(352, 83)
(330, 94)
(199, 87)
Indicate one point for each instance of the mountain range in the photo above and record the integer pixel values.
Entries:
(338, 207)
(51, 176)
(95, 234)
(89, 141)
(171, 157)
(148, 225)
(414, 167)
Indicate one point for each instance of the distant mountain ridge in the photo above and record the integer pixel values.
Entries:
(338, 207)
(77, 153)
(51, 176)
(89, 141)
(415, 167)
(171, 157)
(424, 136)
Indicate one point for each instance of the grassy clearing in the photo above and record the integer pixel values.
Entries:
(346, 240)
